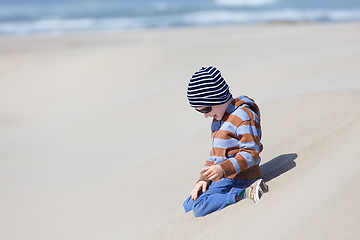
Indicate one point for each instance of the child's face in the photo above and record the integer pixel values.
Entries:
(217, 111)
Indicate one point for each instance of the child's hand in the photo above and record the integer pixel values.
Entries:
(198, 186)
(214, 172)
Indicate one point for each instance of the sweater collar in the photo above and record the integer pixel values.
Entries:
(240, 101)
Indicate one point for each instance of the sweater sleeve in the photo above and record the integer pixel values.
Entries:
(248, 134)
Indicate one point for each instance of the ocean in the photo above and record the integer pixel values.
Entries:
(24, 17)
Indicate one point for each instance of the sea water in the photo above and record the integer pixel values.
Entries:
(21, 17)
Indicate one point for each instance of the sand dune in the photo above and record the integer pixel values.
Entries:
(97, 139)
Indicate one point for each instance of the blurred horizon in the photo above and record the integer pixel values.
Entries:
(24, 17)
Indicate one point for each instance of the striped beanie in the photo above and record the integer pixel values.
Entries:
(207, 88)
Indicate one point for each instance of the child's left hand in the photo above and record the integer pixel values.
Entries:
(214, 172)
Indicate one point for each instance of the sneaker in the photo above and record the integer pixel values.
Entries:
(256, 190)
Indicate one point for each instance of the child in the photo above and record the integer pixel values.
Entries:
(232, 170)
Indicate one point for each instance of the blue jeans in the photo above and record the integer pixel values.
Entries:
(219, 195)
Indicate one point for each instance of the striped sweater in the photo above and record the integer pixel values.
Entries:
(236, 141)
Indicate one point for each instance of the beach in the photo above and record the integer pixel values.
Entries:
(98, 141)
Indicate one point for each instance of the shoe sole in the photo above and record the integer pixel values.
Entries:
(260, 189)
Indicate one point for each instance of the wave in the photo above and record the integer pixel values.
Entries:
(59, 25)
(252, 3)
(292, 15)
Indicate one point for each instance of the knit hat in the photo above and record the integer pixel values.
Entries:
(207, 88)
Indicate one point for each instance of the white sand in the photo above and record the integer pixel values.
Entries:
(97, 140)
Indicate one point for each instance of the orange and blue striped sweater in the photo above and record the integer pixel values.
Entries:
(236, 141)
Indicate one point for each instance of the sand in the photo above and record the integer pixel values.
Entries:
(97, 140)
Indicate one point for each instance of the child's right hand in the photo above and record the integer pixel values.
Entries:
(200, 185)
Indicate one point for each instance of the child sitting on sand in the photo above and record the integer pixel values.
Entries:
(232, 170)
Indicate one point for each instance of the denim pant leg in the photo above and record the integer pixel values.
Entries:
(219, 195)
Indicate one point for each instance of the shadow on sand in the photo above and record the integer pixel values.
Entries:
(277, 166)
